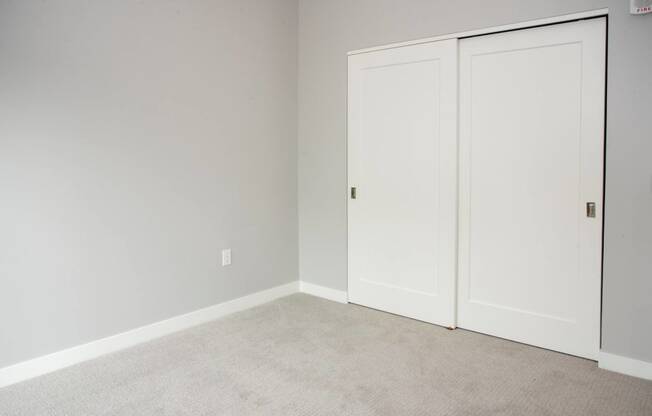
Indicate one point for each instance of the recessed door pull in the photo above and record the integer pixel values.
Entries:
(353, 193)
(590, 209)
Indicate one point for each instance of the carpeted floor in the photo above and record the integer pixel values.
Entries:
(302, 355)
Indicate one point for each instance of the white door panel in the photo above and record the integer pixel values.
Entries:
(531, 144)
(402, 151)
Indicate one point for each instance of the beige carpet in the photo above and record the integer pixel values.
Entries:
(305, 356)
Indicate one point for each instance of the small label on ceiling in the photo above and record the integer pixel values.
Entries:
(640, 6)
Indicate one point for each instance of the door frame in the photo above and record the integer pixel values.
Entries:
(566, 18)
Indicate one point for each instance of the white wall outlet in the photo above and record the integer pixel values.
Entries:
(226, 257)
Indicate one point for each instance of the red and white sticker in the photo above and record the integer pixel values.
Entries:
(641, 6)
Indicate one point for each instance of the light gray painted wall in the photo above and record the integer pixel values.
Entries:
(137, 139)
(328, 29)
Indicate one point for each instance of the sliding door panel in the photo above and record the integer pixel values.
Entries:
(531, 174)
(402, 158)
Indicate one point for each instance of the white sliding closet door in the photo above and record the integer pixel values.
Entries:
(402, 158)
(531, 159)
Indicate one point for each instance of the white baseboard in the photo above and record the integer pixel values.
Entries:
(625, 365)
(58, 360)
(324, 292)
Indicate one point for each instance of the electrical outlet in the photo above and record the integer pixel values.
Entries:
(226, 257)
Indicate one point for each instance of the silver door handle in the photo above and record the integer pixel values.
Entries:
(590, 209)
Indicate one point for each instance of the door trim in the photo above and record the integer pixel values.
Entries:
(490, 30)
(529, 24)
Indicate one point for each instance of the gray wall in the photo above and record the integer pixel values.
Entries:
(328, 29)
(137, 139)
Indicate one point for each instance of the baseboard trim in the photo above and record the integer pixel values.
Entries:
(625, 365)
(61, 359)
(324, 292)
